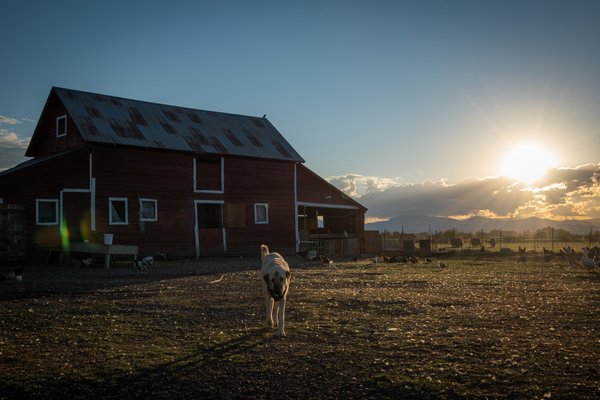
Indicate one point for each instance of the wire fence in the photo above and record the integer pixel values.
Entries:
(538, 241)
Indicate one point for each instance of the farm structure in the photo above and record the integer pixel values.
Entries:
(172, 180)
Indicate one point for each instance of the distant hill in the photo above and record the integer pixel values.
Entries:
(420, 223)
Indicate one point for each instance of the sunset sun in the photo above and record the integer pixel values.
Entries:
(528, 162)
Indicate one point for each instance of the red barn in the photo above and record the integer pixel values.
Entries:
(171, 179)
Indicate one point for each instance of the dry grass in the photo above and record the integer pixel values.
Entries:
(476, 329)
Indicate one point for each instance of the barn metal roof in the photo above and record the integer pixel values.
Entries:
(115, 120)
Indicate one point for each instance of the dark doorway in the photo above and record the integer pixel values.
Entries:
(210, 238)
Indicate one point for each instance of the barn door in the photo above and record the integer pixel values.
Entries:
(76, 216)
(210, 230)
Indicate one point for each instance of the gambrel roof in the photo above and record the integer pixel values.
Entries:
(114, 120)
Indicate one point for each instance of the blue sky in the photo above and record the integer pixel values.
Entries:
(401, 92)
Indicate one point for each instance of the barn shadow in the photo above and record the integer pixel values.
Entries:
(44, 280)
(251, 365)
(204, 374)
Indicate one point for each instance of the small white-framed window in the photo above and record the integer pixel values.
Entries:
(61, 126)
(148, 210)
(261, 213)
(46, 212)
(320, 221)
(209, 175)
(117, 211)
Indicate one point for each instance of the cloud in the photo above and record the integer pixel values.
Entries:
(8, 121)
(12, 149)
(356, 185)
(12, 144)
(564, 193)
(10, 140)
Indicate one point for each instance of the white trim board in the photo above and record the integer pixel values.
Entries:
(296, 226)
(323, 205)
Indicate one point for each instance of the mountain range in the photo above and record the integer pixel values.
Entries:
(420, 223)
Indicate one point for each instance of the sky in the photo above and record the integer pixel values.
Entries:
(382, 98)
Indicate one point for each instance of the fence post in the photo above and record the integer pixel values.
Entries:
(501, 239)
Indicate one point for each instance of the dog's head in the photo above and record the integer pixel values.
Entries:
(278, 279)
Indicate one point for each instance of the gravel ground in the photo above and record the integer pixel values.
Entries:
(194, 329)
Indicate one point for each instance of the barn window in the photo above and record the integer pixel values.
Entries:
(261, 213)
(46, 212)
(148, 210)
(210, 215)
(61, 126)
(320, 221)
(117, 211)
(208, 175)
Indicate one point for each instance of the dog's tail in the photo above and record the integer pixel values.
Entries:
(264, 250)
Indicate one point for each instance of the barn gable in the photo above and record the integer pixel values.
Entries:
(72, 117)
(48, 137)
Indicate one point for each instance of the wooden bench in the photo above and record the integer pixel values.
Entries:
(103, 249)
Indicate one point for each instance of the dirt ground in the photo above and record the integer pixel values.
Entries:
(195, 330)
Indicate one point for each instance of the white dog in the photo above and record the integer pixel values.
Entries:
(275, 274)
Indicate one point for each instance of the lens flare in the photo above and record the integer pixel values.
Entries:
(64, 236)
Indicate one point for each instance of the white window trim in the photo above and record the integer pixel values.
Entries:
(256, 221)
(220, 191)
(155, 210)
(110, 221)
(37, 211)
(61, 134)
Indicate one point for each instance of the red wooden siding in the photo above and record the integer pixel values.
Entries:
(251, 181)
(163, 176)
(168, 178)
(44, 181)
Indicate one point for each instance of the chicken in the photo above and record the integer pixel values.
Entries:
(16, 274)
(588, 262)
(144, 263)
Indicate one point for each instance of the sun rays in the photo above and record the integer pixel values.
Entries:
(527, 162)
